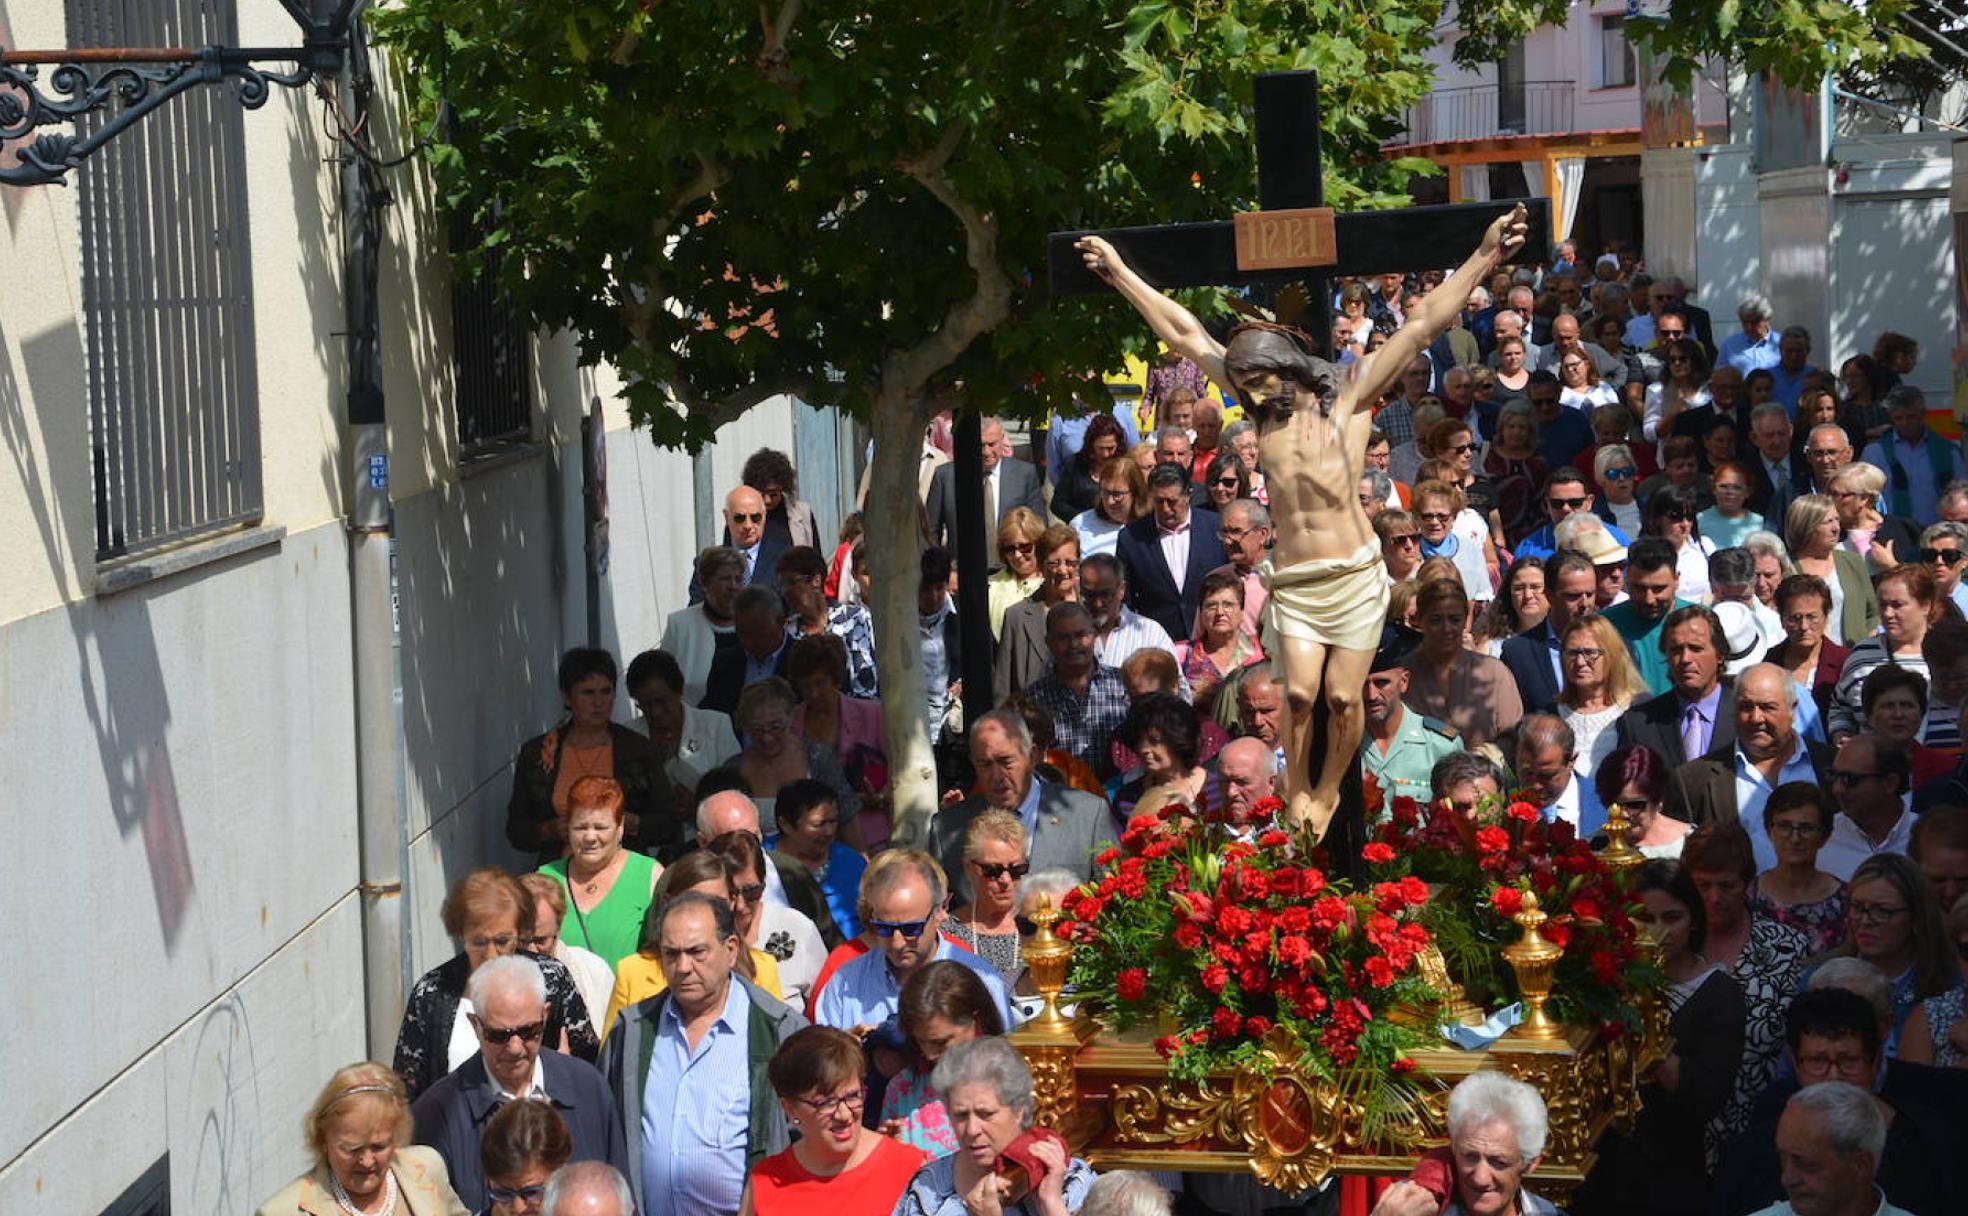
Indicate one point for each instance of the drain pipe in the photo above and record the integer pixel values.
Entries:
(382, 811)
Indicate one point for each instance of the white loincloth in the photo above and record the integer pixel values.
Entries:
(1338, 601)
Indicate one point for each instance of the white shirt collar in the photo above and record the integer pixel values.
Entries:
(536, 1088)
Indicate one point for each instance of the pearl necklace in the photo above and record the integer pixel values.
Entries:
(343, 1201)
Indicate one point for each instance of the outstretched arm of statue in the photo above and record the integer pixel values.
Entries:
(1379, 371)
(1171, 322)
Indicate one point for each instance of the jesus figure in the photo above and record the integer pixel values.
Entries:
(1329, 591)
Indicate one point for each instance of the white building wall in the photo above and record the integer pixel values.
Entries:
(1892, 244)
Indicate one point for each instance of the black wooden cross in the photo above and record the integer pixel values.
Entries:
(1289, 176)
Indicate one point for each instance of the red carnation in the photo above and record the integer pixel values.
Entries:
(1131, 984)
(1415, 889)
(1605, 966)
(1294, 951)
(1257, 1026)
(1215, 976)
(1492, 840)
(1380, 972)
(1523, 812)
(1586, 910)
(1167, 1045)
(1225, 1021)
(1295, 919)
(1106, 856)
(1557, 933)
(1507, 900)
(1188, 935)
(1272, 838)
(1402, 1065)
(1377, 853)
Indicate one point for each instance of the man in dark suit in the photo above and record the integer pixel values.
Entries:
(1008, 482)
(509, 999)
(744, 530)
(1773, 460)
(1699, 705)
(1064, 828)
(1765, 752)
(1174, 446)
(759, 616)
(1532, 656)
(1174, 536)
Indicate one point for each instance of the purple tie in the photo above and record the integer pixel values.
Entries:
(1691, 733)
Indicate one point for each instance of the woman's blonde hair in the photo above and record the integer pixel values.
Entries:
(1606, 457)
(367, 1085)
(1020, 525)
(1001, 826)
(1860, 476)
(1623, 683)
(1806, 515)
(546, 886)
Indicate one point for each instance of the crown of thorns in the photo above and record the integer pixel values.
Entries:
(1298, 337)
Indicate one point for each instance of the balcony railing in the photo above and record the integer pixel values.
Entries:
(1485, 111)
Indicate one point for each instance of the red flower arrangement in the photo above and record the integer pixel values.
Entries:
(1227, 932)
(1480, 868)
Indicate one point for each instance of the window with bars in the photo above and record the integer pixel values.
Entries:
(167, 297)
(492, 357)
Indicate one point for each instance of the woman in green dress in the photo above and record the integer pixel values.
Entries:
(608, 886)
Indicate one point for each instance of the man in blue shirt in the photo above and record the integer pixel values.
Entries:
(1793, 348)
(807, 812)
(1565, 494)
(1562, 432)
(1918, 463)
(1754, 347)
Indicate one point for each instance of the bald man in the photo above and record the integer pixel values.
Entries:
(1732, 786)
(787, 883)
(744, 530)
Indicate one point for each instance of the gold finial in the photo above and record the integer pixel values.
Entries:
(1534, 958)
(1619, 853)
(1047, 957)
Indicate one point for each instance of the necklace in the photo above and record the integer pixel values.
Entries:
(343, 1201)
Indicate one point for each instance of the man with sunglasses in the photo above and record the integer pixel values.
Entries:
(1064, 827)
(744, 530)
(901, 910)
(688, 1067)
(506, 1007)
(1566, 493)
(1869, 783)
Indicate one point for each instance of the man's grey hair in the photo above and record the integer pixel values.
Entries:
(877, 881)
(1254, 512)
(1852, 1120)
(1458, 767)
(1527, 290)
(1170, 431)
(587, 1180)
(1843, 437)
(1485, 1096)
(1126, 1193)
(1855, 975)
(1904, 397)
(506, 971)
(1795, 331)
(1769, 409)
(1379, 485)
(1235, 431)
(1608, 294)
(988, 1061)
(1012, 723)
(1053, 884)
(707, 811)
(1764, 543)
(1735, 566)
(1481, 294)
(1947, 529)
(1512, 313)
(1539, 731)
(1755, 307)
(756, 598)
(1566, 532)
(1614, 409)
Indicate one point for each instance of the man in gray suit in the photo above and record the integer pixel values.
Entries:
(1064, 828)
(1008, 482)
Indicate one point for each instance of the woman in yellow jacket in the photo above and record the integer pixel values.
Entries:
(358, 1131)
(640, 976)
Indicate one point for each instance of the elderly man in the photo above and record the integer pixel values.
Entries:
(687, 1067)
(1754, 346)
(1245, 530)
(901, 912)
(1827, 449)
(744, 531)
(1792, 366)
(1086, 698)
(1118, 631)
(760, 619)
(1248, 770)
(1918, 463)
(1169, 551)
(1064, 828)
(1777, 466)
(1567, 338)
(1400, 747)
(1376, 491)
(787, 883)
(1732, 580)
(1261, 704)
(1869, 781)
(587, 1188)
(1497, 1128)
(1533, 655)
(507, 1008)
(1765, 752)
(1463, 779)
(1547, 752)
(1008, 482)
(1830, 1142)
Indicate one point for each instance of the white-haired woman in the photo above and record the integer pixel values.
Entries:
(1497, 1130)
(358, 1131)
(1616, 471)
(987, 1090)
(1884, 541)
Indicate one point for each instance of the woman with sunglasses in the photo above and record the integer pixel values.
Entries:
(1730, 519)
(787, 934)
(1812, 532)
(993, 860)
(943, 1005)
(1908, 606)
(1670, 515)
(1684, 386)
(1226, 480)
(1797, 817)
(1895, 923)
(1018, 555)
(1636, 778)
(523, 1144)
(1616, 469)
(1600, 684)
(835, 1164)
(1449, 529)
(1510, 463)
(640, 976)
(1455, 463)
(1883, 540)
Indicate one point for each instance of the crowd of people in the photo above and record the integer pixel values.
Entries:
(1703, 582)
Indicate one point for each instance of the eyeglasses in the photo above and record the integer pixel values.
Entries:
(1435, 517)
(1947, 557)
(1796, 831)
(1405, 538)
(1231, 536)
(501, 943)
(511, 1195)
(538, 945)
(1458, 448)
(1020, 547)
(750, 894)
(1622, 473)
(994, 870)
(1842, 777)
(747, 517)
(1803, 618)
(1677, 516)
(1874, 914)
(1815, 1063)
(909, 929)
(1584, 654)
(1633, 806)
(1228, 483)
(845, 1103)
(1566, 504)
(501, 1035)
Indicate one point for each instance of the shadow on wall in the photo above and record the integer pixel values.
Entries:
(318, 279)
(116, 661)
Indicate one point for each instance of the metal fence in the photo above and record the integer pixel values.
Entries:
(492, 358)
(167, 297)
(1484, 111)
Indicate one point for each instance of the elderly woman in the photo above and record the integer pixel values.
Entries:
(696, 632)
(851, 727)
(1772, 564)
(691, 740)
(1894, 702)
(1600, 684)
(1449, 529)
(1022, 655)
(994, 861)
(1218, 645)
(523, 1144)
(1895, 923)
(593, 976)
(1226, 480)
(640, 976)
(1635, 778)
(1616, 471)
(1123, 496)
(1241, 437)
(1510, 463)
(1908, 605)
(1018, 557)
(1497, 1130)
(773, 755)
(1472, 692)
(487, 912)
(1400, 544)
(942, 1005)
(1166, 734)
(358, 1132)
(835, 1164)
(1804, 606)
(1455, 463)
(787, 519)
(1797, 817)
(1812, 533)
(608, 887)
(1078, 487)
(1884, 541)
(587, 743)
(787, 934)
(987, 1089)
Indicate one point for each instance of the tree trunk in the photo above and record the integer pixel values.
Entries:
(894, 552)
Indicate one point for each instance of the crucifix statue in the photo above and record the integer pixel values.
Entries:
(1328, 589)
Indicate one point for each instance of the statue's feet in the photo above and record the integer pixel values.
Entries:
(1312, 811)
